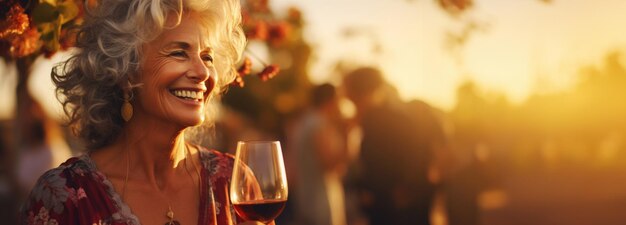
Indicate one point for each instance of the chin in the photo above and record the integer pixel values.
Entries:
(194, 122)
(189, 121)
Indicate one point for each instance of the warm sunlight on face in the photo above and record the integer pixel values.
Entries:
(176, 76)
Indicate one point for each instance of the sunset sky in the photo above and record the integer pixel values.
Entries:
(526, 42)
(527, 46)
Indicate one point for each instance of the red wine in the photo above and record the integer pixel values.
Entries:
(260, 210)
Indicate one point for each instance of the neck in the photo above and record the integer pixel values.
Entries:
(156, 154)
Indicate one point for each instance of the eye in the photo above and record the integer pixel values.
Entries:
(207, 57)
(178, 54)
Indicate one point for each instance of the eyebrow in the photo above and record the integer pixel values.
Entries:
(185, 46)
(179, 44)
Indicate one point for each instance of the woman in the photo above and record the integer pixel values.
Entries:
(321, 153)
(141, 80)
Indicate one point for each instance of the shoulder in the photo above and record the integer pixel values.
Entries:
(218, 164)
(212, 155)
(56, 191)
(57, 180)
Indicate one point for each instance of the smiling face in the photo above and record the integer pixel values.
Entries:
(176, 76)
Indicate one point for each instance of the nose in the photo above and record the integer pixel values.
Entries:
(198, 70)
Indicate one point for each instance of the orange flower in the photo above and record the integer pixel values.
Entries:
(243, 70)
(238, 82)
(279, 32)
(256, 29)
(245, 67)
(269, 72)
(16, 22)
(25, 44)
(294, 14)
(455, 6)
(260, 6)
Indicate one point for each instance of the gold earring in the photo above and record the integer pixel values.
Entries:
(127, 108)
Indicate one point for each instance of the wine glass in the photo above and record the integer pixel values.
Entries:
(258, 189)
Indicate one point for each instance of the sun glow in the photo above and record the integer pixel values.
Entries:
(526, 47)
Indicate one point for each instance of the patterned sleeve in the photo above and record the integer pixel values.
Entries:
(51, 201)
(73, 193)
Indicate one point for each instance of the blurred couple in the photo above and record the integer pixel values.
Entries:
(387, 169)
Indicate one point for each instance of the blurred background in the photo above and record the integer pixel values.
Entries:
(526, 98)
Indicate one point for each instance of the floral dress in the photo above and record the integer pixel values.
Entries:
(77, 193)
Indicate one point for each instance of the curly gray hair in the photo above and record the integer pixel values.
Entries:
(91, 83)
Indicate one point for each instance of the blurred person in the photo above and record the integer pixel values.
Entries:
(9, 190)
(320, 154)
(395, 154)
(41, 146)
(138, 87)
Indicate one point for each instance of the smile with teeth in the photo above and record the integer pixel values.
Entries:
(191, 95)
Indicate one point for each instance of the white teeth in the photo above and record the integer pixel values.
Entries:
(197, 95)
